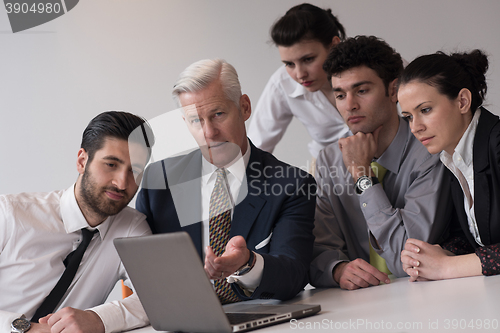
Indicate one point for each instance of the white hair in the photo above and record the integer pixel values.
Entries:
(201, 74)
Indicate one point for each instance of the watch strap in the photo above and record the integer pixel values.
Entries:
(246, 267)
(357, 187)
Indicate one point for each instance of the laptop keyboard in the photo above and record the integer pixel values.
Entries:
(238, 318)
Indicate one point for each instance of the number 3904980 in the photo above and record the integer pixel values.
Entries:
(36, 8)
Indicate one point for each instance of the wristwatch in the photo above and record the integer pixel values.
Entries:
(246, 267)
(364, 182)
(20, 325)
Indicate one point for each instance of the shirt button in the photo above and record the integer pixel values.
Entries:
(459, 158)
(364, 204)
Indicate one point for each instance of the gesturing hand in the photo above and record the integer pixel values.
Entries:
(235, 256)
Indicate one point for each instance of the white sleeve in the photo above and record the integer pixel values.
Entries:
(270, 118)
(251, 280)
(122, 315)
(126, 314)
(6, 319)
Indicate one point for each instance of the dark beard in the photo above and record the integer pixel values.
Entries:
(90, 194)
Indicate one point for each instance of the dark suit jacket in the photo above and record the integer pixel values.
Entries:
(281, 201)
(486, 161)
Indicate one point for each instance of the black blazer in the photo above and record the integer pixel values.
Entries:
(279, 209)
(486, 161)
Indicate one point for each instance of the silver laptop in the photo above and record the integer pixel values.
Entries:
(168, 276)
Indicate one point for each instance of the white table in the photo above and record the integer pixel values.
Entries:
(458, 305)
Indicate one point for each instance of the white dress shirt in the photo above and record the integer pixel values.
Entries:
(460, 164)
(236, 177)
(37, 232)
(282, 99)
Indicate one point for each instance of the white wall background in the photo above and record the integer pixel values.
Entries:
(126, 55)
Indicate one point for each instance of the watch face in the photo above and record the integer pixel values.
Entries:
(365, 183)
(21, 324)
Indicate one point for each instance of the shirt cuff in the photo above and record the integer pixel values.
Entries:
(251, 280)
(122, 315)
(6, 319)
(373, 201)
(333, 266)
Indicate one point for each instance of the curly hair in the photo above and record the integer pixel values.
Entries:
(368, 51)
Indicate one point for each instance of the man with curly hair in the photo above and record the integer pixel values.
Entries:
(378, 187)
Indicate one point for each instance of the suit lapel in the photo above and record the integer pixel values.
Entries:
(194, 230)
(458, 201)
(481, 162)
(184, 181)
(246, 212)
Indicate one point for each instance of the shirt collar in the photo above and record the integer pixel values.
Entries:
(237, 168)
(466, 143)
(295, 90)
(298, 91)
(292, 88)
(391, 157)
(73, 217)
(465, 146)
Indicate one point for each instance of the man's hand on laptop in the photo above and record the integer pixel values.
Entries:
(235, 256)
(73, 320)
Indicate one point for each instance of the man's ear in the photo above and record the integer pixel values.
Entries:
(392, 90)
(81, 161)
(245, 107)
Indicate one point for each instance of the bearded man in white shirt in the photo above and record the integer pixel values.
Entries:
(39, 230)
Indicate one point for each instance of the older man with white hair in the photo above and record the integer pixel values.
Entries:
(249, 215)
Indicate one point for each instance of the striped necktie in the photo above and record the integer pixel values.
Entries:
(219, 226)
(375, 259)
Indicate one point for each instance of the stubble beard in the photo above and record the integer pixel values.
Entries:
(100, 205)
